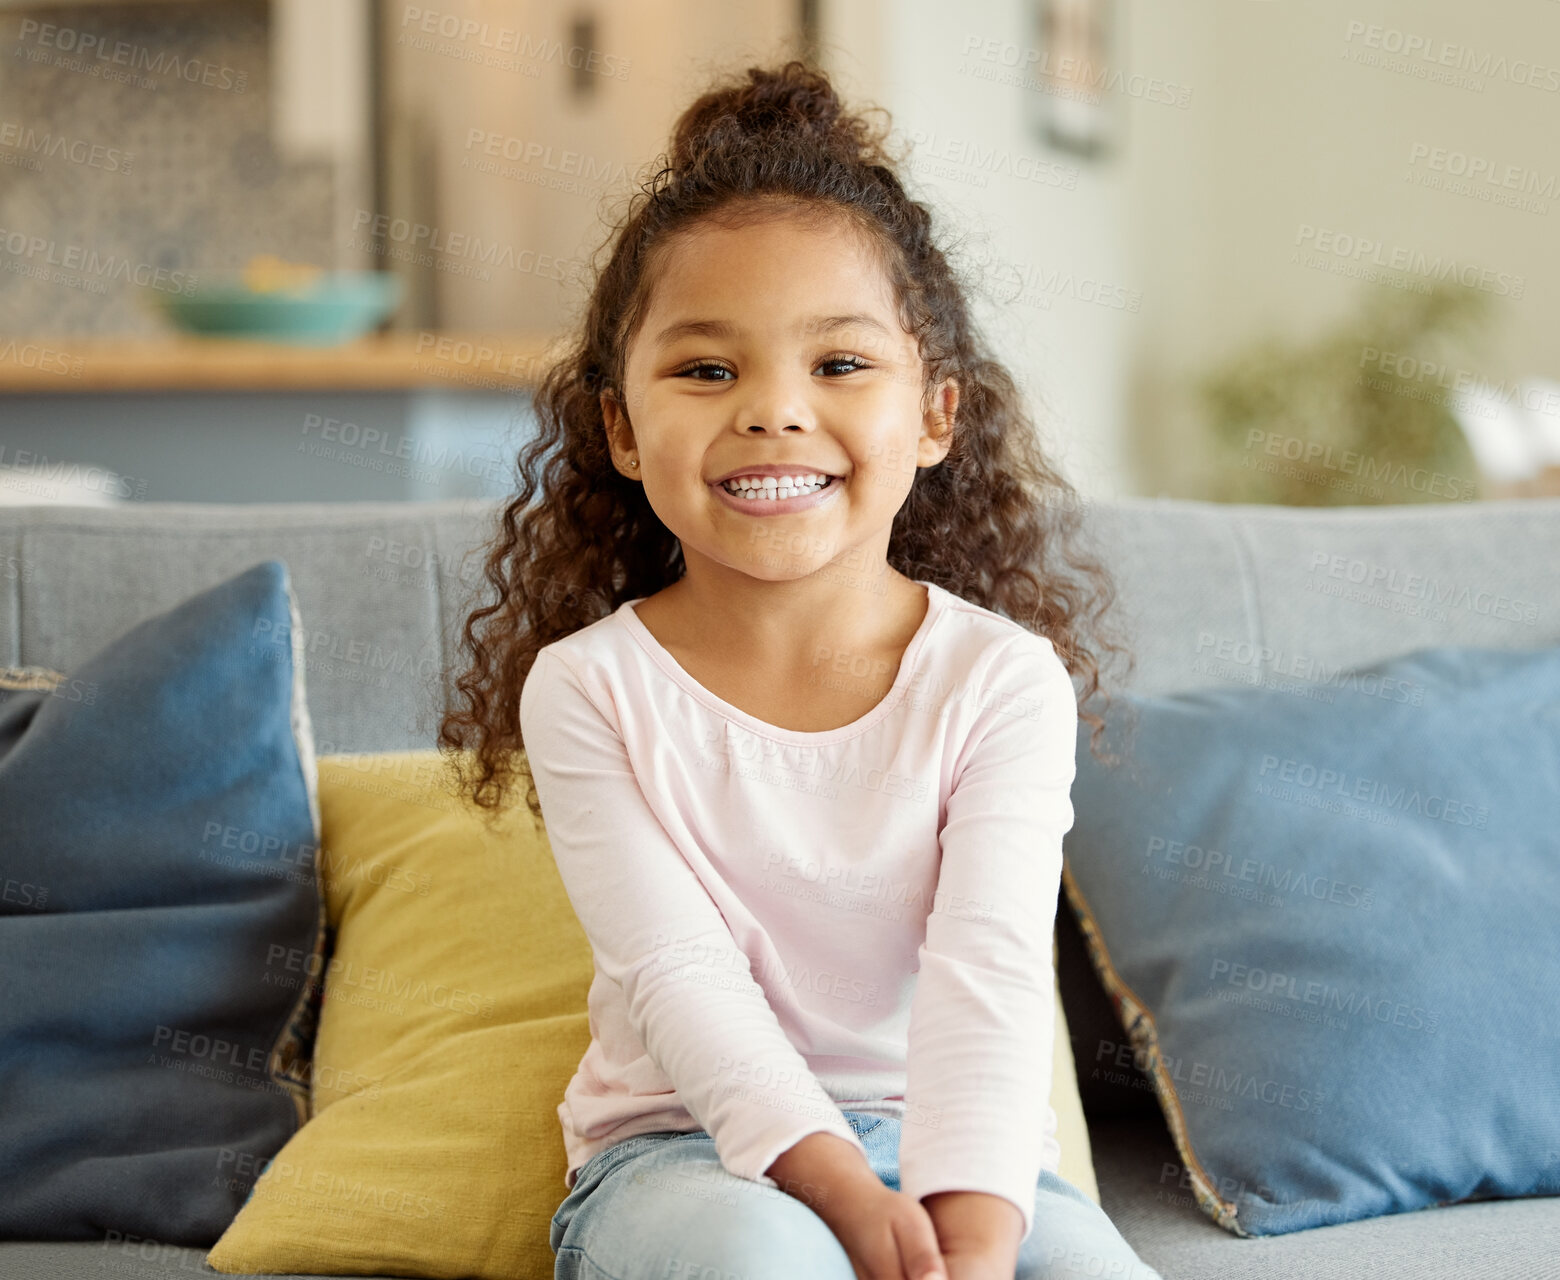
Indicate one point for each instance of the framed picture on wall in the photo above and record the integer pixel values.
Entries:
(1070, 95)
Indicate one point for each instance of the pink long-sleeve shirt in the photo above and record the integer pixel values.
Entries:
(787, 925)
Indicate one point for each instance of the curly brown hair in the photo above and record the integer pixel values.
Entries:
(766, 140)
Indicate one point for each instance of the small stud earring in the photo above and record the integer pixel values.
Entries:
(633, 462)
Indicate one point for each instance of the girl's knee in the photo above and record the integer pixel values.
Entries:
(1074, 1239)
(757, 1233)
(1093, 1259)
(685, 1218)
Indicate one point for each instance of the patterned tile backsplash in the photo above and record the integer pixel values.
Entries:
(135, 150)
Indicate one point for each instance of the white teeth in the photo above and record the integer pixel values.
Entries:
(775, 486)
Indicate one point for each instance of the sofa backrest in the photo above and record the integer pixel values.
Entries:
(1209, 593)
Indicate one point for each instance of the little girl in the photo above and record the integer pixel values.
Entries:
(786, 639)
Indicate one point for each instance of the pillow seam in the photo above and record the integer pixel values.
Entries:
(26, 678)
(1143, 1033)
(284, 1060)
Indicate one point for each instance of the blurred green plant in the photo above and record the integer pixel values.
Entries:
(1359, 415)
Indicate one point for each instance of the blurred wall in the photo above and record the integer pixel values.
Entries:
(1246, 133)
(1043, 234)
(1308, 136)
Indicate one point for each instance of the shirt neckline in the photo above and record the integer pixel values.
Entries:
(935, 600)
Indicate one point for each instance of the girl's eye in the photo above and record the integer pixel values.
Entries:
(695, 368)
(846, 362)
(849, 362)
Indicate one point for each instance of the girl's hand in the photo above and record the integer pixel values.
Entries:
(978, 1234)
(887, 1235)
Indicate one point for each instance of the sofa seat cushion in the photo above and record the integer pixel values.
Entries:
(1145, 1190)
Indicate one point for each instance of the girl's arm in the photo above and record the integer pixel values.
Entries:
(977, 1098)
(658, 934)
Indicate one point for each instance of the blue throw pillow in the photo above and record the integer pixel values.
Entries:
(159, 897)
(1329, 919)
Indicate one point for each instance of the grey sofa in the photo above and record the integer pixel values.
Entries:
(382, 589)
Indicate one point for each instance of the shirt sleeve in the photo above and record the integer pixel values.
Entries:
(979, 1067)
(657, 933)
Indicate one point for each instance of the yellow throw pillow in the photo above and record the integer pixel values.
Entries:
(453, 1017)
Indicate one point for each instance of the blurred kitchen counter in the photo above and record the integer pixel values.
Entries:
(180, 362)
(403, 415)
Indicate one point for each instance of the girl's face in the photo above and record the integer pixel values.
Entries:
(777, 342)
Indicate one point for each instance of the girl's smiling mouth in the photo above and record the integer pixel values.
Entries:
(785, 499)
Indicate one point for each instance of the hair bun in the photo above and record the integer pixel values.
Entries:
(793, 100)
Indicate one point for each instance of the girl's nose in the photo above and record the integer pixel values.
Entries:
(772, 404)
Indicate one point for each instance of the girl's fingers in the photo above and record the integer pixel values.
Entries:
(918, 1251)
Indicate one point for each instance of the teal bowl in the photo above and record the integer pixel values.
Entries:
(336, 306)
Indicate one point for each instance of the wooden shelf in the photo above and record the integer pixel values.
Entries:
(456, 361)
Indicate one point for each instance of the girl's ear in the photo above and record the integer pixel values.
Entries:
(619, 435)
(937, 424)
(611, 416)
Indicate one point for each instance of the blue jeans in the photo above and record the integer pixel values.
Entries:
(661, 1206)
